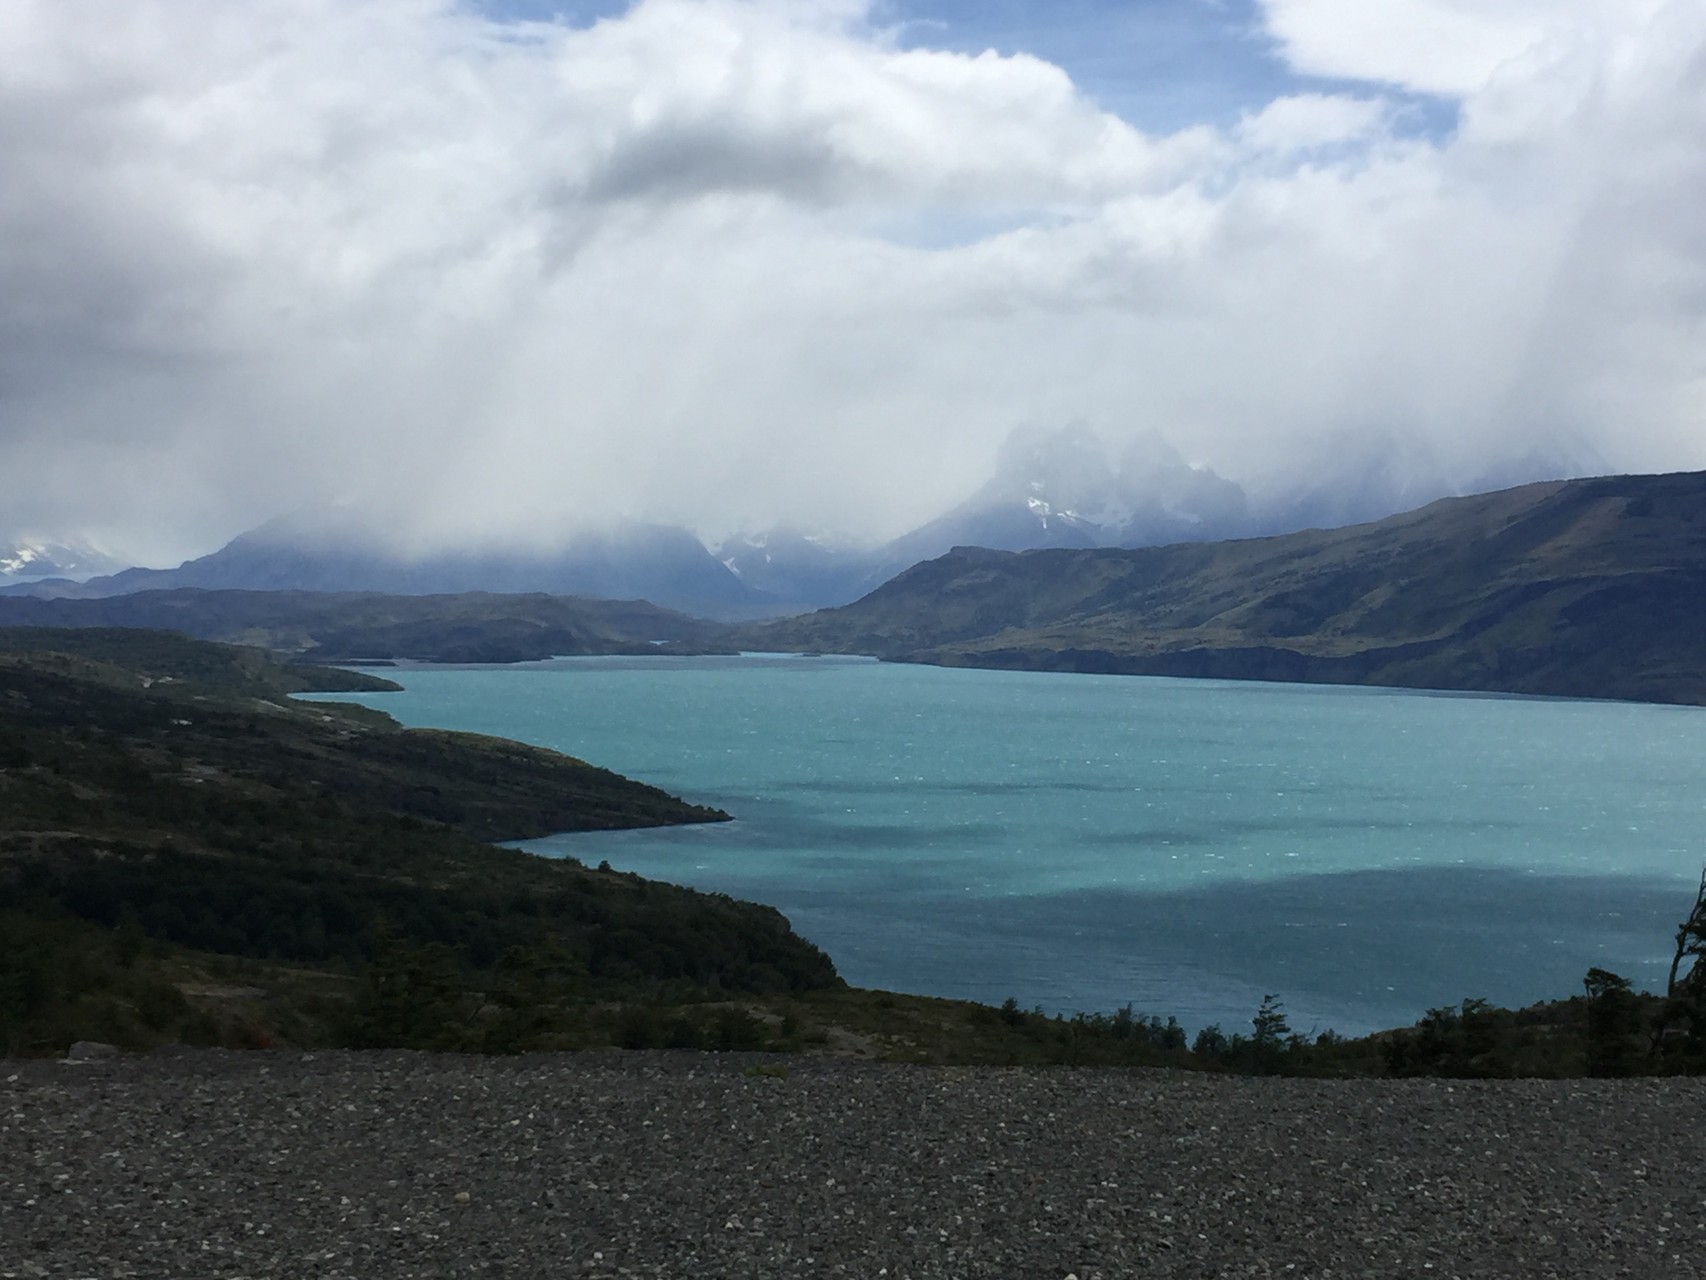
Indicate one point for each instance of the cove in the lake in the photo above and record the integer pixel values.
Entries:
(1081, 842)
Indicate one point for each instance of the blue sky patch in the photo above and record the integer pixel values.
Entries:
(1161, 65)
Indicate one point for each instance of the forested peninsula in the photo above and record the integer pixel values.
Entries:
(175, 828)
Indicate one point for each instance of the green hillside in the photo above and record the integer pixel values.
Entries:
(325, 626)
(1586, 588)
(164, 790)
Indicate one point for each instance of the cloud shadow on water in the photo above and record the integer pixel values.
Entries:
(1355, 951)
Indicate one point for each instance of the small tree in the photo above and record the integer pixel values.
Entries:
(1272, 1034)
(1614, 1019)
(1211, 1043)
(1272, 1028)
(1690, 946)
(1684, 1012)
(1460, 1040)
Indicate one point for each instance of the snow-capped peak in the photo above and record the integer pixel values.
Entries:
(29, 558)
(15, 560)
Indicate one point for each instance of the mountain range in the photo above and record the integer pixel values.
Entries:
(1064, 487)
(1583, 588)
(1591, 588)
(1053, 487)
(340, 551)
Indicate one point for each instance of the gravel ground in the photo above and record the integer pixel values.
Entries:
(379, 1165)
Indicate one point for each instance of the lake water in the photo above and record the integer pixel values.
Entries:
(1081, 842)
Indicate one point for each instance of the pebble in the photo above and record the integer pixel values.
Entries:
(339, 1166)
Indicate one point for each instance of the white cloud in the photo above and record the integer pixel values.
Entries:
(500, 278)
(1452, 47)
(1302, 122)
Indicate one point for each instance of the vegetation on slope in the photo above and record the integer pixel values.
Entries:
(363, 626)
(162, 789)
(1588, 588)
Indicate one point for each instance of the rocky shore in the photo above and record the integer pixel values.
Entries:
(680, 1165)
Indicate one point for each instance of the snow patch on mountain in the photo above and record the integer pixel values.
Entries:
(29, 558)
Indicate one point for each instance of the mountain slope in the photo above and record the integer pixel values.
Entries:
(167, 791)
(340, 552)
(342, 626)
(1581, 588)
(170, 699)
(799, 569)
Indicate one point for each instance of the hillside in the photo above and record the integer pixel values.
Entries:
(365, 626)
(166, 789)
(1586, 588)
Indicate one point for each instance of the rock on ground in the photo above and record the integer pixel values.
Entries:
(681, 1165)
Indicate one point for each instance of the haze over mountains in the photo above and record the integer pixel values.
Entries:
(339, 551)
(1050, 487)
(1583, 588)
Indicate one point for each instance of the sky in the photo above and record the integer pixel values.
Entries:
(492, 269)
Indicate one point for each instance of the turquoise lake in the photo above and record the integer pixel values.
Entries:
(1084, 842)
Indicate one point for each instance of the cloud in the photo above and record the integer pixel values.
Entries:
(1432, 46)
(730, 261)
(1306, 121)
(1452, 47)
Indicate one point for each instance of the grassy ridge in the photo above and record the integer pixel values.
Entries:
(1588, 588)
(125, 659)
(327, 626)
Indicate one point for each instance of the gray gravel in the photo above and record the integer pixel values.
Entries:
(377, 1165)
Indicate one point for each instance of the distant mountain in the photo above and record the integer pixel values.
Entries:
(32, 559)
(799, 569)
(1052, 487)
(356, 626)
(1061, 488)
(337, 552)
(1583, 588)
